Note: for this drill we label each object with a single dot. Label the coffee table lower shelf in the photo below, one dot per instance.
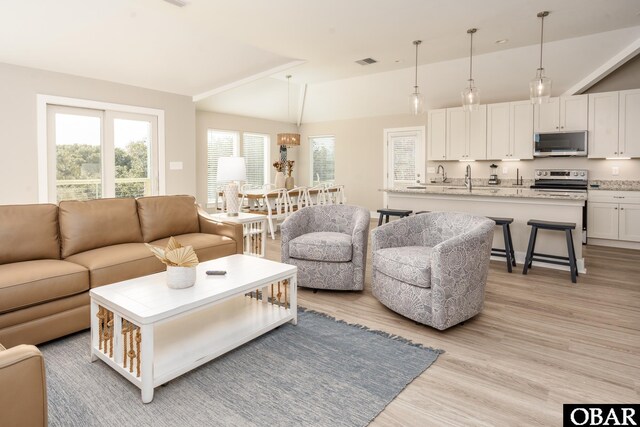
(174, 346)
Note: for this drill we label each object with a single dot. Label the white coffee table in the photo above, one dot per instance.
(152, 334)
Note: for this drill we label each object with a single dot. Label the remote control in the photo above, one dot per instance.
(216, 272)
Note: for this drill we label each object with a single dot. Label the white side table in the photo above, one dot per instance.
(254, 230)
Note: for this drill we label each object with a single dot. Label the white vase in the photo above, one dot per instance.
(180, 277)
(280, 180)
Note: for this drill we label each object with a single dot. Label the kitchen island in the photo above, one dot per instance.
(521, 204)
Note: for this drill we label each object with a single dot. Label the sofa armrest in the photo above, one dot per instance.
(210, 226)
(23, 394)
(459, 268)
(395, 234)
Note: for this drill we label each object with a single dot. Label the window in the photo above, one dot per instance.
(220, 143)
(322, 158)
(96, 153)
(255, 150)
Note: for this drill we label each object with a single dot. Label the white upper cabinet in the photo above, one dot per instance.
(629, 123)
(510, 130)
(566, 113)
(437, 135)
(498, 131)
(467, 134)
(603, 124)
(521, 124)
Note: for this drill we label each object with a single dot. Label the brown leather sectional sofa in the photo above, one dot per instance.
(50, 256)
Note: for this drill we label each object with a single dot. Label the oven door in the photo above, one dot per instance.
(560, 144)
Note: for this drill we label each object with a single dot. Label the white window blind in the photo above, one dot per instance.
(255, 150)
(219, 144)
(404, 161)
(322, 158)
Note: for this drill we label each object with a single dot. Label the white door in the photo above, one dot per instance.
(630, 123)
(456, 134)
(602, 220)
(603, 125)
(437, 125)
(521, 123)
(573, 112)
(405, 157)
(547, 116)
(630, 222)
(498, 140)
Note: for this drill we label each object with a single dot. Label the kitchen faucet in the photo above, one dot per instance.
(467, 178)
(444, 175)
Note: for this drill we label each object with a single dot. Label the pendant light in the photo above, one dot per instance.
(416, 100)
(288, 139)
(540, 87)
(470, 95)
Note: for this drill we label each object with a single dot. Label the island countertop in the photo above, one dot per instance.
(520, 192)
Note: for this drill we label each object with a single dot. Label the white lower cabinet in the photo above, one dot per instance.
(629, 222)
(614, 215)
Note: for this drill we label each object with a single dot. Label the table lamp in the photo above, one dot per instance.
(231, 169)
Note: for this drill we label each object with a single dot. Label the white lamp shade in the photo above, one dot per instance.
(231, 169)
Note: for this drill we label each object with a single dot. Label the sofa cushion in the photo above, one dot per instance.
(27, 283)
(206, 246)
(166, 216)
(116, 263)
(322, 246)
(409, 264)
(28, 232)
(91, 224)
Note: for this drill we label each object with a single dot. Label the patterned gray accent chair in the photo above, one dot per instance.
(328, 244)
(432, 268)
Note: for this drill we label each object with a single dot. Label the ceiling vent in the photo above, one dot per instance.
(366, 61)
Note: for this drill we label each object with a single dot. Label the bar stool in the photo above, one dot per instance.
(507, 252)
(391, 212)
(570, 261)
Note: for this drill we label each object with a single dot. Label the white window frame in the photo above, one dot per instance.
(311, 177)
(44, 166)
(267, 153)
(421, 130)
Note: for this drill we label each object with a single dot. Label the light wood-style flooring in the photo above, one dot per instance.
(541, 341)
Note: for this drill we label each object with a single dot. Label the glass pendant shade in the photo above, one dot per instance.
(540, 88)
(470, 98)
(416, 103)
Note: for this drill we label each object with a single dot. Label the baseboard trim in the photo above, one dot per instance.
(613, 243)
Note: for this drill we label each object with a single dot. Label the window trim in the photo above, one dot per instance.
(309, 138)
(42, 101)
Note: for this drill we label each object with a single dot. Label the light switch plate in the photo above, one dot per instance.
(615, 171)
(175, 166)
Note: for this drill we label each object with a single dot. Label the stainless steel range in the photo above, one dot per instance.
(561, 180)
(564, 180)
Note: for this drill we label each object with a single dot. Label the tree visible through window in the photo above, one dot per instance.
(322, 158)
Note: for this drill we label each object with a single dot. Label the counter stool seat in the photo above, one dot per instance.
(570, 260)
(508, 251)
(386, 213)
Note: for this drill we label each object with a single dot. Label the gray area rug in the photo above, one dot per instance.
(321, 372)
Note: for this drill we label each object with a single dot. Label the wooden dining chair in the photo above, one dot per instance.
(317, 195)
(336, 195)
(276, 208)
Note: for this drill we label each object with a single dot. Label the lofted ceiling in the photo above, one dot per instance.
(232, 56)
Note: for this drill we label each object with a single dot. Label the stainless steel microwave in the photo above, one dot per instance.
(560, 144)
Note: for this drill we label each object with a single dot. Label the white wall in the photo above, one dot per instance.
(206, 120)
(18, 143)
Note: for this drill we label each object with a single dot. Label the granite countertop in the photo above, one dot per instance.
(611, 185)
(525, 193)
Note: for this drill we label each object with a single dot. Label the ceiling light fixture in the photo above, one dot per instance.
(416, 100)
(287, 139)
(540, 87)
(470, 95)
(502, 41)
